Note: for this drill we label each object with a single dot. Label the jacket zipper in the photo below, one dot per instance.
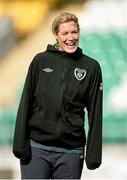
(61, 98)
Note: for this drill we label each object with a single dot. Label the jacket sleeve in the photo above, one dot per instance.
(21, 146)
(94, 108)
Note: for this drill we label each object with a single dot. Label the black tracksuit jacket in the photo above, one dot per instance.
(58, 87)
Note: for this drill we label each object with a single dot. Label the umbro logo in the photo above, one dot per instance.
(48, 70)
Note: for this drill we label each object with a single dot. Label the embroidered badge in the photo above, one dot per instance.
(48, 70)
(79, 73)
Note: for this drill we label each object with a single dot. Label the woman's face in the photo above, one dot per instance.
(68, 37)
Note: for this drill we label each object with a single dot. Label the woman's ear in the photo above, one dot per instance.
(56, 37)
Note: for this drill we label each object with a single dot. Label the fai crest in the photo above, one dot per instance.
(79, 73)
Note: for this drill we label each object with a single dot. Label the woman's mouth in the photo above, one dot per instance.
(71, 45)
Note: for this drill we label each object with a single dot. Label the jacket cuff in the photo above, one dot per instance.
(92, 165)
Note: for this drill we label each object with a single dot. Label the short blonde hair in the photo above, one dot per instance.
(63, 18)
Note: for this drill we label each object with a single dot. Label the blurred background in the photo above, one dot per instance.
(25, 30)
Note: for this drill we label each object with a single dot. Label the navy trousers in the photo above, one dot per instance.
(52, 165)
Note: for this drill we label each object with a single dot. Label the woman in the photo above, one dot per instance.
(61, 82)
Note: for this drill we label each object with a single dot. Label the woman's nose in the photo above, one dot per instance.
(70, 36)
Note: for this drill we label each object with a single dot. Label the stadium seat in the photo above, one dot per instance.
(7, 124)
(108, 48)
(107, 40)
(115, 128)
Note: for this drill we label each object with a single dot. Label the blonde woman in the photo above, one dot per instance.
(49, 137)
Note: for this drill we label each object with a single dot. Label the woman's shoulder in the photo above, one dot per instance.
(38, 58)
(91, 61)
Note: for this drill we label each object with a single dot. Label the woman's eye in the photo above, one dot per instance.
(74, 32)
(64, 33)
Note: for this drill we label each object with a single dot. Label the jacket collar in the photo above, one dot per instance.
(77, 53)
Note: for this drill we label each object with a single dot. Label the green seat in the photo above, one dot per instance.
(117, 58)
(7, 124)
(107, 40)
(115, 128)
(90, 42)
(10, 119)
(3, 129)
(4, 134)
(123, 40)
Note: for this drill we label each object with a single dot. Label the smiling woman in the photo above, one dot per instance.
(66, 31)
(61, 82)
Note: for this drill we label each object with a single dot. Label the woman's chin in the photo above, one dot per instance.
(70, 50)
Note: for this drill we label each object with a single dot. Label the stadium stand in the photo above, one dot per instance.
(27, 16)
(7, 36)
(105, 39)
